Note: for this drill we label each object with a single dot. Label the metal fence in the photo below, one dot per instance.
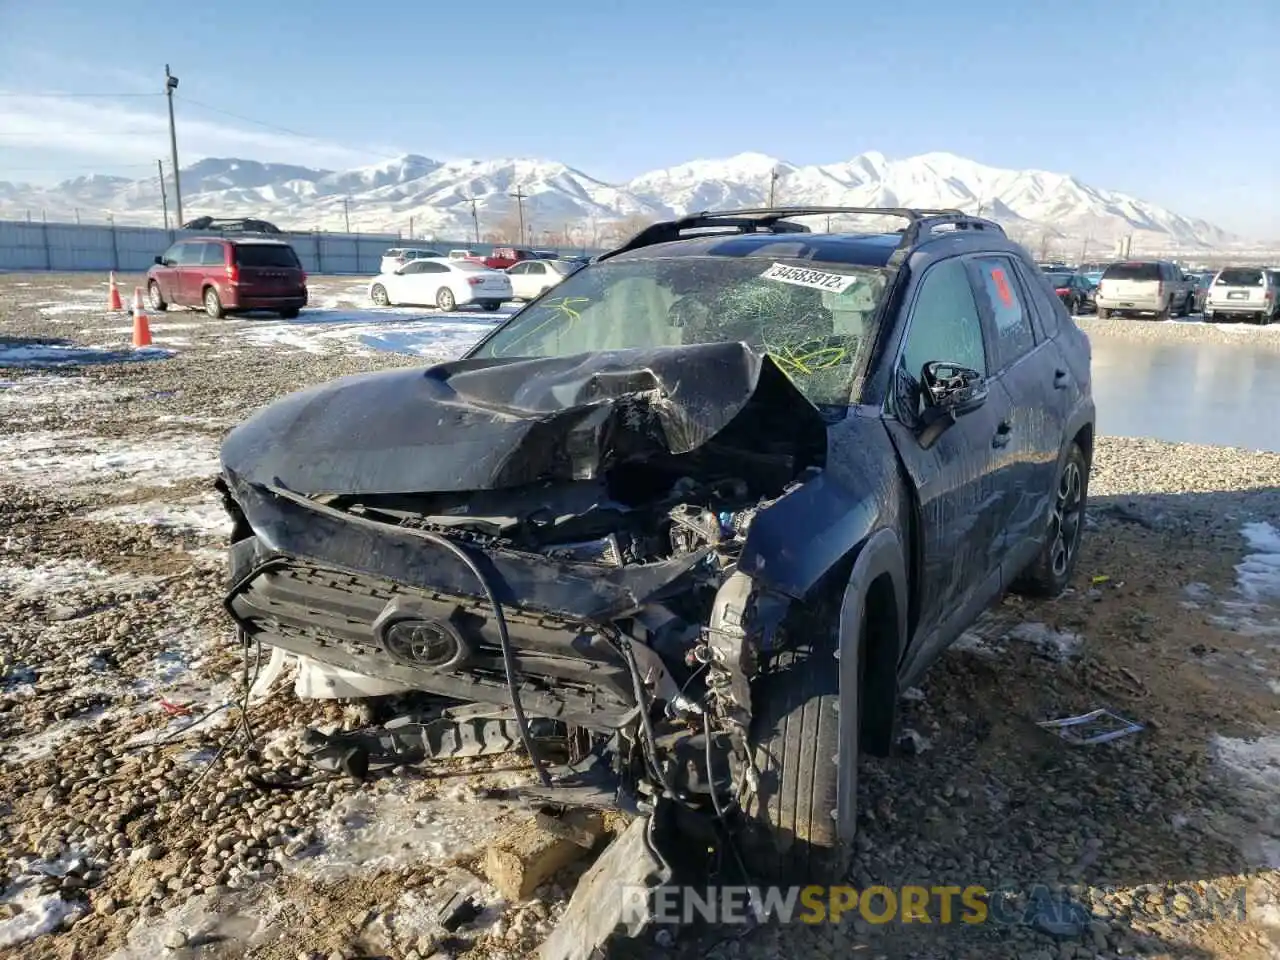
(26, 245)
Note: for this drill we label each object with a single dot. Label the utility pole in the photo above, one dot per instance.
(164, 200)
(77, 216)
(519, 198)
(773, 181)
(411, 228)
(475, 219)
(170, 85)
(346, 212)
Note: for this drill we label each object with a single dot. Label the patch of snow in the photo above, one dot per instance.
(54, 308)
(61, 391)
(1054, 644)
(67, 576)
(1197, 591)
(39, 355)
(976, 645)
(1258, 575)
(37, 915)
(37, 746)
(1253, 766)
(202, 516)
(374, 831)
(436, 336)
(214, 927)
(60, 460)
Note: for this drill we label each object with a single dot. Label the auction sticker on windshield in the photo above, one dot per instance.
(804, 277)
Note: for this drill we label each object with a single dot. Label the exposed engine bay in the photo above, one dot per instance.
(604, 598)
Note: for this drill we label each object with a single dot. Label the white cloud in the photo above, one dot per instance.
(126, 134)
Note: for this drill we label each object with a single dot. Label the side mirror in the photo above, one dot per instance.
(160, 261)
(952, 388)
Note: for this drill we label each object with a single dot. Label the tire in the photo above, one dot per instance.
(1208, 316)
(1166, 313)
(445, 299)
(290, 314)
(1103, 313)
(213, 304)
(1049, 574)
(155, 298)
(1185, 309)
(791, 832)
(491, 305)
(379, 296)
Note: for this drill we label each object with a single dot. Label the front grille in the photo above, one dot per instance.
(435, 642)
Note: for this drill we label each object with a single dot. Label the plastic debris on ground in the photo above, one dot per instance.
(1096, 726)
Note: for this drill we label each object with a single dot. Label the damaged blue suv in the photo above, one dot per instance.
(689, 522)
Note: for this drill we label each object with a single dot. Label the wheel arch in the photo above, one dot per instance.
(877, 584)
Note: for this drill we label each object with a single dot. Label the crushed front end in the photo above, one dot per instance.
(549, 540)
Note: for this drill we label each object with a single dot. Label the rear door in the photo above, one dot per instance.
(420, 281)
(961, 501)
(268, 270)
(1031, 371)
(520, 281)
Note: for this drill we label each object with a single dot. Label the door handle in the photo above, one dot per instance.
(1061, 379)
(1003, 434)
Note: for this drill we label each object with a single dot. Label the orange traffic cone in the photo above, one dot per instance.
(113, 298)
(141, 327)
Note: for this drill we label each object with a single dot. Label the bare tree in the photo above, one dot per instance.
(508, 229)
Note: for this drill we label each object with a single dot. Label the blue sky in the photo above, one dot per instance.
(1125, 96)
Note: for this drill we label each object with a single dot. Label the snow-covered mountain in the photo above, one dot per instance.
(1040, 208)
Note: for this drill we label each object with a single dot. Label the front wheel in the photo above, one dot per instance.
(290, 314)
(445, 299)
(1050, 572)
(807, 785)
(155, 298)
(379, 296)
(213, 304)
(491, 305)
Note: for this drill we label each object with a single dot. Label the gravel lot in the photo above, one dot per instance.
(112, 636)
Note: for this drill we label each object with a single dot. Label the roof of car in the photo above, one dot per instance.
(865, 249)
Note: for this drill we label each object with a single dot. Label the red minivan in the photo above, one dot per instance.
(224, 276)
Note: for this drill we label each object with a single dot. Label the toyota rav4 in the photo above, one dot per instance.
(698, 515)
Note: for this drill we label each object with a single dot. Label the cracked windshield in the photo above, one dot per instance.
(811, 318)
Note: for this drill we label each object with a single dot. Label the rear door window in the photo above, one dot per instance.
(265, 255)
(1043, 300)
(213, 255)
(999, 287)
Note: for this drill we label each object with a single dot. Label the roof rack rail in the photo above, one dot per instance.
(775, 220)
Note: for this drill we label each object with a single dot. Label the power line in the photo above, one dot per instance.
(279, 129)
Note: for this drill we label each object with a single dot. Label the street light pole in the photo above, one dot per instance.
(170, 85)
(773, 180)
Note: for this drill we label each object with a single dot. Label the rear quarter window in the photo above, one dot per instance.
(266, 255)
(1132, 271)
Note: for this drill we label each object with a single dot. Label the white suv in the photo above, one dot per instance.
(1132, 287)
(1240, 292)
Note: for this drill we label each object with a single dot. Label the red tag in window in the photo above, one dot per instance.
(1002, 286)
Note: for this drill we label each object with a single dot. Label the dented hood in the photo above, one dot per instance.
(487, 424)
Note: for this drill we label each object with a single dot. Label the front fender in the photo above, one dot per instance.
(795, 541)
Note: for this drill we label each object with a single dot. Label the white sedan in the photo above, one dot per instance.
(532, 278)
(443, 282)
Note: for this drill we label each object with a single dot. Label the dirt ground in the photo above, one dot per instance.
(112, 635)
